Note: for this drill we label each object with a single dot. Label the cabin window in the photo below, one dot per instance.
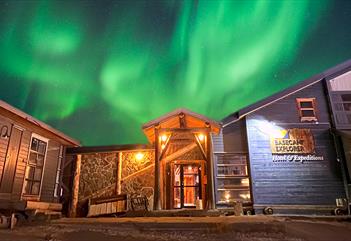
(35, 166)
(307, 109)
(57, 190)
(232, 178)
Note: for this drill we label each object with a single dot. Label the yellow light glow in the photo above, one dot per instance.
(270, 128)
(139, 156)
(163, 138)
(245, 196)
(227, 196)
(201, 137)
(245, 181)
(163, 146)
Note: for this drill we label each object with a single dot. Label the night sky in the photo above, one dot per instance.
(98, 70)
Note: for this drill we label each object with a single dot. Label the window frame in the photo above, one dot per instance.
(301, 109)
(28, 165)
(58, 178)
(238, 159)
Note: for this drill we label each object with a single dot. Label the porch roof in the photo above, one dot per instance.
(173, 120)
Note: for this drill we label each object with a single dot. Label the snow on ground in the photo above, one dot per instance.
(253, 228)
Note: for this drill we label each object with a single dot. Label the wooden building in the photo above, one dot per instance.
(31, 159)
(173, 172)
(296, 145)
(289, 153)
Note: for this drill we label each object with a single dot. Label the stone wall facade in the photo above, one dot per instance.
(138, 175)
(98, 176)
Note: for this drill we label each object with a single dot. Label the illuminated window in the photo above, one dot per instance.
(34, 170)
(307, 109)
(232, 178)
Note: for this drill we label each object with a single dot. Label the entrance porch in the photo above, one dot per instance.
(184, 176)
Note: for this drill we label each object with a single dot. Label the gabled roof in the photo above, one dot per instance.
(32, 120)
(171, 120)
(328, 74)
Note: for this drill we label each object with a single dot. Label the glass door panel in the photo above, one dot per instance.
(177, 190)
(186, 185)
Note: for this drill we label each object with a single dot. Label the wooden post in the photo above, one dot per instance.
(119, 174)
(210, 173)
(157, 200)
(75, 188)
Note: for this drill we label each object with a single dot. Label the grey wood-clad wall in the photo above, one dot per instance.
(14, 191)
(11, 160)
(234, 137)
(21, 158)
(21, 165)
(4, 140)
(308, 183)
(217, 142)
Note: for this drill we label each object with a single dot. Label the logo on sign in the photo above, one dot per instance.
(294, 141)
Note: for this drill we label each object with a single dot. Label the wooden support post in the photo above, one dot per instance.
(210, 174)
(157, 200)
(75, 188)
(119, 174)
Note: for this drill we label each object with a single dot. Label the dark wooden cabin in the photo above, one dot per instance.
(31, 159)
(293, 160)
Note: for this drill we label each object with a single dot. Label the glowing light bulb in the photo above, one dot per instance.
(139, 156)
(164, 138)
(201, 137)
(163, 146)
(227, 196)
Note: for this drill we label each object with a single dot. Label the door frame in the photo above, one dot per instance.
(202, 181)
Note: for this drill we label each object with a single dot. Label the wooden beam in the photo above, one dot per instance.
(210, 173)
(157, 200)
(180, 152)
(182, 121)
(200, 147)
(75, 193)
(166, 147)
(31, 205)
(138, 172)
(197, 129)
(119, 173)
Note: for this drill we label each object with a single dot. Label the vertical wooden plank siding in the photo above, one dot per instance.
(8, 175)
(217, 142)
(235, 138)
(21, 165)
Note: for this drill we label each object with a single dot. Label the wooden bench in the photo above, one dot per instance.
(107, 206)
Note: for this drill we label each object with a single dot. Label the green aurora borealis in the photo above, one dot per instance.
(97, 70)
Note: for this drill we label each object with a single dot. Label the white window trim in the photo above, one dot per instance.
(46, 140)
(59, 172)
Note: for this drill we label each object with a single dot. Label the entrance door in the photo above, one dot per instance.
(186, 185)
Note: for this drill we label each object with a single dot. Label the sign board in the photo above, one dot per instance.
(294, 145)
(293, 141)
